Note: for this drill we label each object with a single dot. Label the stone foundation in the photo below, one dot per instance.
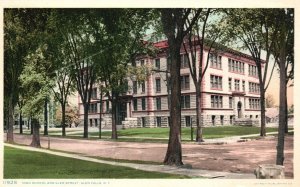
(129, 123)
(246, 122)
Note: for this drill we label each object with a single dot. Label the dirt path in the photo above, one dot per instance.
(240, 157)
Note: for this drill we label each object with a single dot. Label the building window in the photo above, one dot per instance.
(169, 63)
(158, 121)
(184, 61)
(252, 71)
(236, 66)
(93, 108)
(231, 120)
(254, 103)
(213, 120)
(96, 122)
(134, 86)
(188, 122)
(107, 105)
(142, 62)
(158, 103)
(158, 86)
(243, 68)
(143, 104)
(216, 101)
(253, 87)
(185, 101)
(157, 63)
(229, 84)
(237, 85)
(143, 122)
(230, 102)
(143, 86)
(185, 82)
(135, 104)
(215, 61)
(215, 82)
(243, 86)
(94, 93)
(222, 119)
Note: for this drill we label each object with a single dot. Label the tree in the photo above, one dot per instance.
(71, 116)
(270, 102)
(202, 37)
(20, 105)
(80, 52)
(124, 30)
(173, 23)
(36, 83)
(253, 28)
(15, 47)
(284, 56)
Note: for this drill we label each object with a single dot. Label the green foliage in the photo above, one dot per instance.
(124, 30)
(36, 83)
(35, 165)
(15, 48)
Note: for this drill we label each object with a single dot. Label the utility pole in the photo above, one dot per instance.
(45, 117)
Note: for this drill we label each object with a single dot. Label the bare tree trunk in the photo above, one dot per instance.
(100, 117)
(114, 134)
(29, 123)
(10, 127)
(63, 117)
(36, 133)
(21, 123)
(174, 151)
(199, 134)
(85, 120)
(282, 111)
(31, 127)
(45, 118)
(263, 112)
(282, 97)
(286, 128)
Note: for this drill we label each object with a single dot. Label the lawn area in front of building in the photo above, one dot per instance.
(163, 133)
(160, 135)
(23, 164)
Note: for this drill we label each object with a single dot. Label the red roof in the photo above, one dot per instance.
(161, 44)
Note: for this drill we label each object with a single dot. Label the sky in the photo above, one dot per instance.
(273, 89)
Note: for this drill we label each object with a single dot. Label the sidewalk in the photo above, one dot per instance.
(148, 167)
(232, 139)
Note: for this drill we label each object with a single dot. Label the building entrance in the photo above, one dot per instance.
(121, 112)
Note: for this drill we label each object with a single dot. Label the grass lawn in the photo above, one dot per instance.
(23, 164)
(160, 135)
(163, 133)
